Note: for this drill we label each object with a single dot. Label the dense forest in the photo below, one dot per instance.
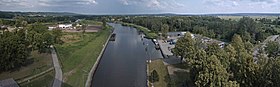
(232, 66)
(213, 27)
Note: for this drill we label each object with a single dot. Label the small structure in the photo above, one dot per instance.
(113, 37)
(8, 83)
(65, 26)
(51, 27)
(176, 34)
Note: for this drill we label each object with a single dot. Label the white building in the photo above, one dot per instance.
(65, 26)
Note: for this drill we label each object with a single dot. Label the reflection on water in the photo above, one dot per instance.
(123, 63)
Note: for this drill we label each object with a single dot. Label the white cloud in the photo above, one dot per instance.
(31, 3)
(266, 1)
(24, 3)
(87, 2)
(154, 4)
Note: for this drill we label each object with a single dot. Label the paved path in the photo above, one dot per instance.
(164, 48)
(58, 72)
(34, 76)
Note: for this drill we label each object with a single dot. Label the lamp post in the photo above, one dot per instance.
(146, 49)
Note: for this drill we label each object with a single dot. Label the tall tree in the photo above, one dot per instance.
(213, 74)
(273, 49)
(164, 30)
(244, 67)
(185, 47)
(13, 50)
(57, 34)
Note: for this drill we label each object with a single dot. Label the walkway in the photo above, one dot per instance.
(58, 72)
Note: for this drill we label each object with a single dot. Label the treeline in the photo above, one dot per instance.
(232, 66)
(214, 27)
(16, 45)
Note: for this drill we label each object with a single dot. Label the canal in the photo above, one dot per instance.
(123, 63)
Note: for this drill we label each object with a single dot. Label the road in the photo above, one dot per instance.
(58, 72)
(123, 63)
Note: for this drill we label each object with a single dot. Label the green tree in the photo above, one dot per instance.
(154, 77)
(244, 69)
(221, 54)
(213, 74)
(103, 22)
(13, 50)
(249, 47)
(84, 26)
(20, 22)
(185, 47)
(273, 49)
(164, 30)
(231, 54)
(57, 34)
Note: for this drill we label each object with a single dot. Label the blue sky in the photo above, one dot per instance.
(143, 6)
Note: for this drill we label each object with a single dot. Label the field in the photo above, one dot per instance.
(89, 28)
(78, 54)
(38, 63)
(254, 17)
(162, 72)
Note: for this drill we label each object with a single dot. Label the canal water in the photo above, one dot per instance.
(123, 63)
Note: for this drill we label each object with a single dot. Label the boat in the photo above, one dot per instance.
(113, 37)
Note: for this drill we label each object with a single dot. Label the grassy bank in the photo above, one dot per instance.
(78, 55)
(43, 81)
(162, 72)
(146, 31)
(38, 63)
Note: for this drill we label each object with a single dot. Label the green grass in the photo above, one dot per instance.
(42, 81)
(91, 22)
(146, 31)
(162, 72)
(78, 57)
(42, 62)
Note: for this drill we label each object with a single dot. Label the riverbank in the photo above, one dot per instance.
(146, 31)
(94, 67)
(79, 55)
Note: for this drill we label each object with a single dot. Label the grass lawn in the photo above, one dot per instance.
(42, 81)
(78, 55)
(41, 62)
(162, 72)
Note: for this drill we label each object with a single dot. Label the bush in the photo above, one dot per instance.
(154, 76)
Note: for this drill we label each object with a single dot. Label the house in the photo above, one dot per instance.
(65, 26)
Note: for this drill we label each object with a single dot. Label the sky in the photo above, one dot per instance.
(142, 6)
